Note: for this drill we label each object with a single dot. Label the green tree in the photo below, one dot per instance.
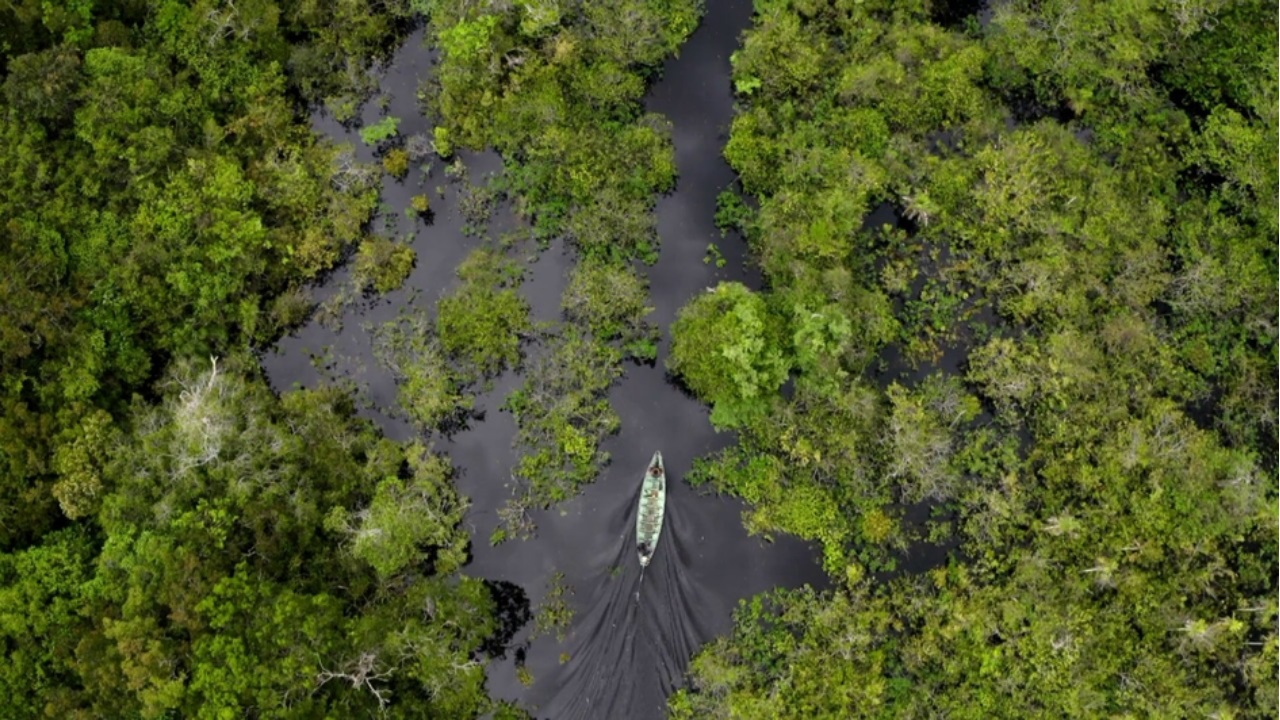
(43, 591)
(611, 302)
(483, 322)
(726, 346)
(407, 516)
(562, 414)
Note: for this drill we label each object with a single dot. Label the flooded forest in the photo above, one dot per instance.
(337, 338)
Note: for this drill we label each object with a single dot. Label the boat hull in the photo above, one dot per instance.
(652, 508)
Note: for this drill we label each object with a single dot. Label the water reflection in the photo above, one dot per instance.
(636, 631)
(623, 656)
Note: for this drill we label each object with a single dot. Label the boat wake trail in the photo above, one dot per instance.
(629, 637)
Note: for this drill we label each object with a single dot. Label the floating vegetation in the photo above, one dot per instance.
(554, 614)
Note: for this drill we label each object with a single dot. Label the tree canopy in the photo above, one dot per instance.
(1077, 395)
(159, 193)
(175, 538)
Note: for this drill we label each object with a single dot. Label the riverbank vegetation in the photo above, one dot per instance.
(175, 538)
(1075, 315)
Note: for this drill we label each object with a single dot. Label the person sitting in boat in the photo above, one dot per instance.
(644, 549)
(656, 471)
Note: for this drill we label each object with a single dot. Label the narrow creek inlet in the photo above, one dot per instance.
(629, 642)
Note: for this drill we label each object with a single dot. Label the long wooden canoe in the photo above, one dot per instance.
(653, 504)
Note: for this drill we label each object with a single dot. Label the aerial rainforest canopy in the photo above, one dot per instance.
(1029, 420)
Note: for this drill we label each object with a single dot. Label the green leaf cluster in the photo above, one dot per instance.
(481, 324)
(384, 129)
(611, 302)
(726, 348)
(382, 264)
(430, 391)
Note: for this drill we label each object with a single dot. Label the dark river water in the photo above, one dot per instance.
(630, 642)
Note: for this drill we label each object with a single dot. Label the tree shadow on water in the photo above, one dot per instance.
(513, 613)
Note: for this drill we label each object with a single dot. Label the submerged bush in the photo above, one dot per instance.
(396, 163)
(378, 132)
(383, 264)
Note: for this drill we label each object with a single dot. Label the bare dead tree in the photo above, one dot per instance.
(362, 673)
(200, 419)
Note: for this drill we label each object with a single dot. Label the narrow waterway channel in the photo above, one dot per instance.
(630, 642)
